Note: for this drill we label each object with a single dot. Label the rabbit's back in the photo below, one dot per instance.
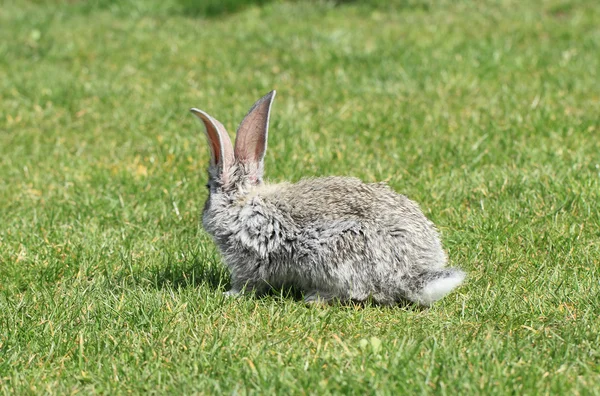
(346, 199)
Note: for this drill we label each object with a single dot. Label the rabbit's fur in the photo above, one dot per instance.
(333, 238)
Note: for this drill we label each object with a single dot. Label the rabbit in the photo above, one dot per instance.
(332, 238)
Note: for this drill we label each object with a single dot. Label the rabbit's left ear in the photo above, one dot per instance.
(221, 149)
(252, 134)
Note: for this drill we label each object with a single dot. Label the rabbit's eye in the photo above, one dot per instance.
(207, 186)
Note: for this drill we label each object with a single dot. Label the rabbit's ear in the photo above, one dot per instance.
(251, 139)
(221, 150)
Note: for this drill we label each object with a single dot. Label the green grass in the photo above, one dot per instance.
(485, 112)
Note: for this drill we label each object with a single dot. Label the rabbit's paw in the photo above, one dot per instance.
(232, 293)
(318, 298)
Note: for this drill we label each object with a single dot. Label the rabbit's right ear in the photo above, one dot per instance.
(251, 137)
(221, 149)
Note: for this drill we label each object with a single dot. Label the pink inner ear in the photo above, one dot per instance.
(226, 146)
(214, 146)
(251, 139)
(251, 142)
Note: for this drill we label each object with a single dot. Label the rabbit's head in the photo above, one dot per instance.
(236, 169)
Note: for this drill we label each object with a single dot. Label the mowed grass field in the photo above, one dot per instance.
(485, 112)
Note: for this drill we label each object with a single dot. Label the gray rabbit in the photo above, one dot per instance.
(333, 238)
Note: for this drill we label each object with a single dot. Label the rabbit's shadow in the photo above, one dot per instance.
(216, 277)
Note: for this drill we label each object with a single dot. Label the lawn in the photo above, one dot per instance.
(487, 113)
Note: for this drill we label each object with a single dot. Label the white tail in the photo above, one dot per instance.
(438, 287)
